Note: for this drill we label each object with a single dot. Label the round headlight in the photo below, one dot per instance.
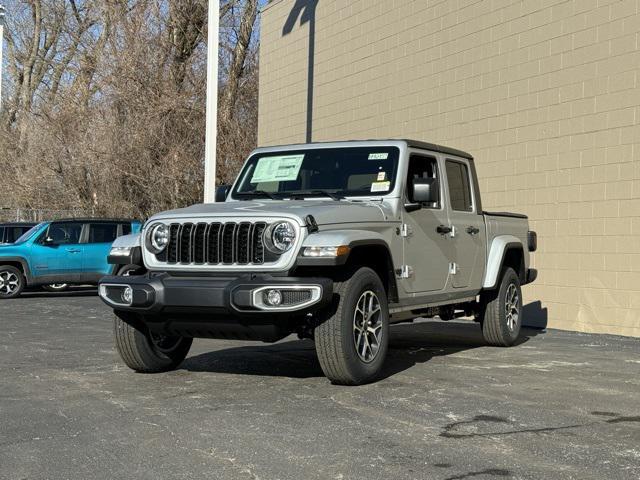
(280, 237)
(158, 237)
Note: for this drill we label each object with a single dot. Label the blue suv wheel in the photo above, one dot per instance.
(11, 281)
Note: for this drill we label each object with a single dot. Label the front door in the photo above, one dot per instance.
(426, 251)
(468, 235)
(60, 259)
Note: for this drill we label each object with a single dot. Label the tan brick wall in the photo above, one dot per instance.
(544, 93)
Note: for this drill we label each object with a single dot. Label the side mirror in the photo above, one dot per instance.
(222, 191)
(48, 241)
(422, 190)
(425, 190)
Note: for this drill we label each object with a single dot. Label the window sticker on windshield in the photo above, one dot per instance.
(382, 176)
(378, 156)
(380, 186)
(283, 168)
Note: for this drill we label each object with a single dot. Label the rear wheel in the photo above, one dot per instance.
(11, 281)
(352, 341)
(56, 287)
(501, 319)
(148, 352)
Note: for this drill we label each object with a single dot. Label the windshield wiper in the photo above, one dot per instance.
(333, 195)
(257, 193)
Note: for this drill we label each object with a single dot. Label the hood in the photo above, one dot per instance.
(325, 212)
(9, 249)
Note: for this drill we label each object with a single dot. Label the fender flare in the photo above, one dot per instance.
(499, 247)
(351, 238)
(25, 266)
(131, 241)
(354, 239)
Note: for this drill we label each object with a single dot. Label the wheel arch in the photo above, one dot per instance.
(19, 263)
(366, 248)
(506, 251)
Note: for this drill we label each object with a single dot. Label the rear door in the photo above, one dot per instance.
(98, 242)
(468, 236)
(60, 259)
(426, 251)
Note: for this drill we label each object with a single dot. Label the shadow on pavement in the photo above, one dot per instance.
(70, 292)
(409, 345)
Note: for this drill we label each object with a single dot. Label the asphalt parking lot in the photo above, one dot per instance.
(560, 405)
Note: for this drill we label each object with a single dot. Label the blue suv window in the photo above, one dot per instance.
(102, 232)
(65, 233)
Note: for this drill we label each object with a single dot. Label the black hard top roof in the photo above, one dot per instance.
(439, 148)
(17, 224)
(411, 143)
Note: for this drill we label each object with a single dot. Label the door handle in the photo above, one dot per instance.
(443, 229)
(73, 250)
(471, 230)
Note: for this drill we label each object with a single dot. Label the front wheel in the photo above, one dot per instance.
(352, 341)
(11, 281)
(501, 318)
(147, 352)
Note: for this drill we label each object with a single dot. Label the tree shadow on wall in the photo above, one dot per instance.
(306, 11)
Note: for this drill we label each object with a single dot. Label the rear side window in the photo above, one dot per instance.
(102, 232)
(13, 233)
(459, 186)
(126, 228)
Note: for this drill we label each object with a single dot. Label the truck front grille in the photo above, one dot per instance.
(216, 243)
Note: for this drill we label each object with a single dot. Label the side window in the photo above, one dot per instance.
(421, 167)
(459, 186)
(1, 234)
(126, 228)
(102, 232)
(13, 233)
(65, 233)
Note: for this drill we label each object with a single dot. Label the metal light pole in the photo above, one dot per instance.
(212, 103)
(2, 10)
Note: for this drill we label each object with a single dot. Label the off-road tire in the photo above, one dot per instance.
(493, 320)
(334, 336)
(12, 272)
(139, 352)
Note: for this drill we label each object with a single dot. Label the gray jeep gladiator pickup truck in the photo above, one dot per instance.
(332, 241)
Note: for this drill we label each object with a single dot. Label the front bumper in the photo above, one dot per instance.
(161, 293)
(215, 307)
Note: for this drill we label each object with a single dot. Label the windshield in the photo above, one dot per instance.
(27, 235)
(333, 172)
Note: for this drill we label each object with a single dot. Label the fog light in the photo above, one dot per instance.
(127, 295)
(274, 298)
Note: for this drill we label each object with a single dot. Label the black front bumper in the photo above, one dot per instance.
(212, 306)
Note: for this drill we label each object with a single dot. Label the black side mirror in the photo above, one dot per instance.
(48, 241)
(422, 190)
(222, 191)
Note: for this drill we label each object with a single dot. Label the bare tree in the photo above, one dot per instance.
(106, 102)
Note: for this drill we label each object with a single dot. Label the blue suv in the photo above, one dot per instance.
(60, 252)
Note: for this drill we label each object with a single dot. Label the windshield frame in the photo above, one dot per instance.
(236, 195)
